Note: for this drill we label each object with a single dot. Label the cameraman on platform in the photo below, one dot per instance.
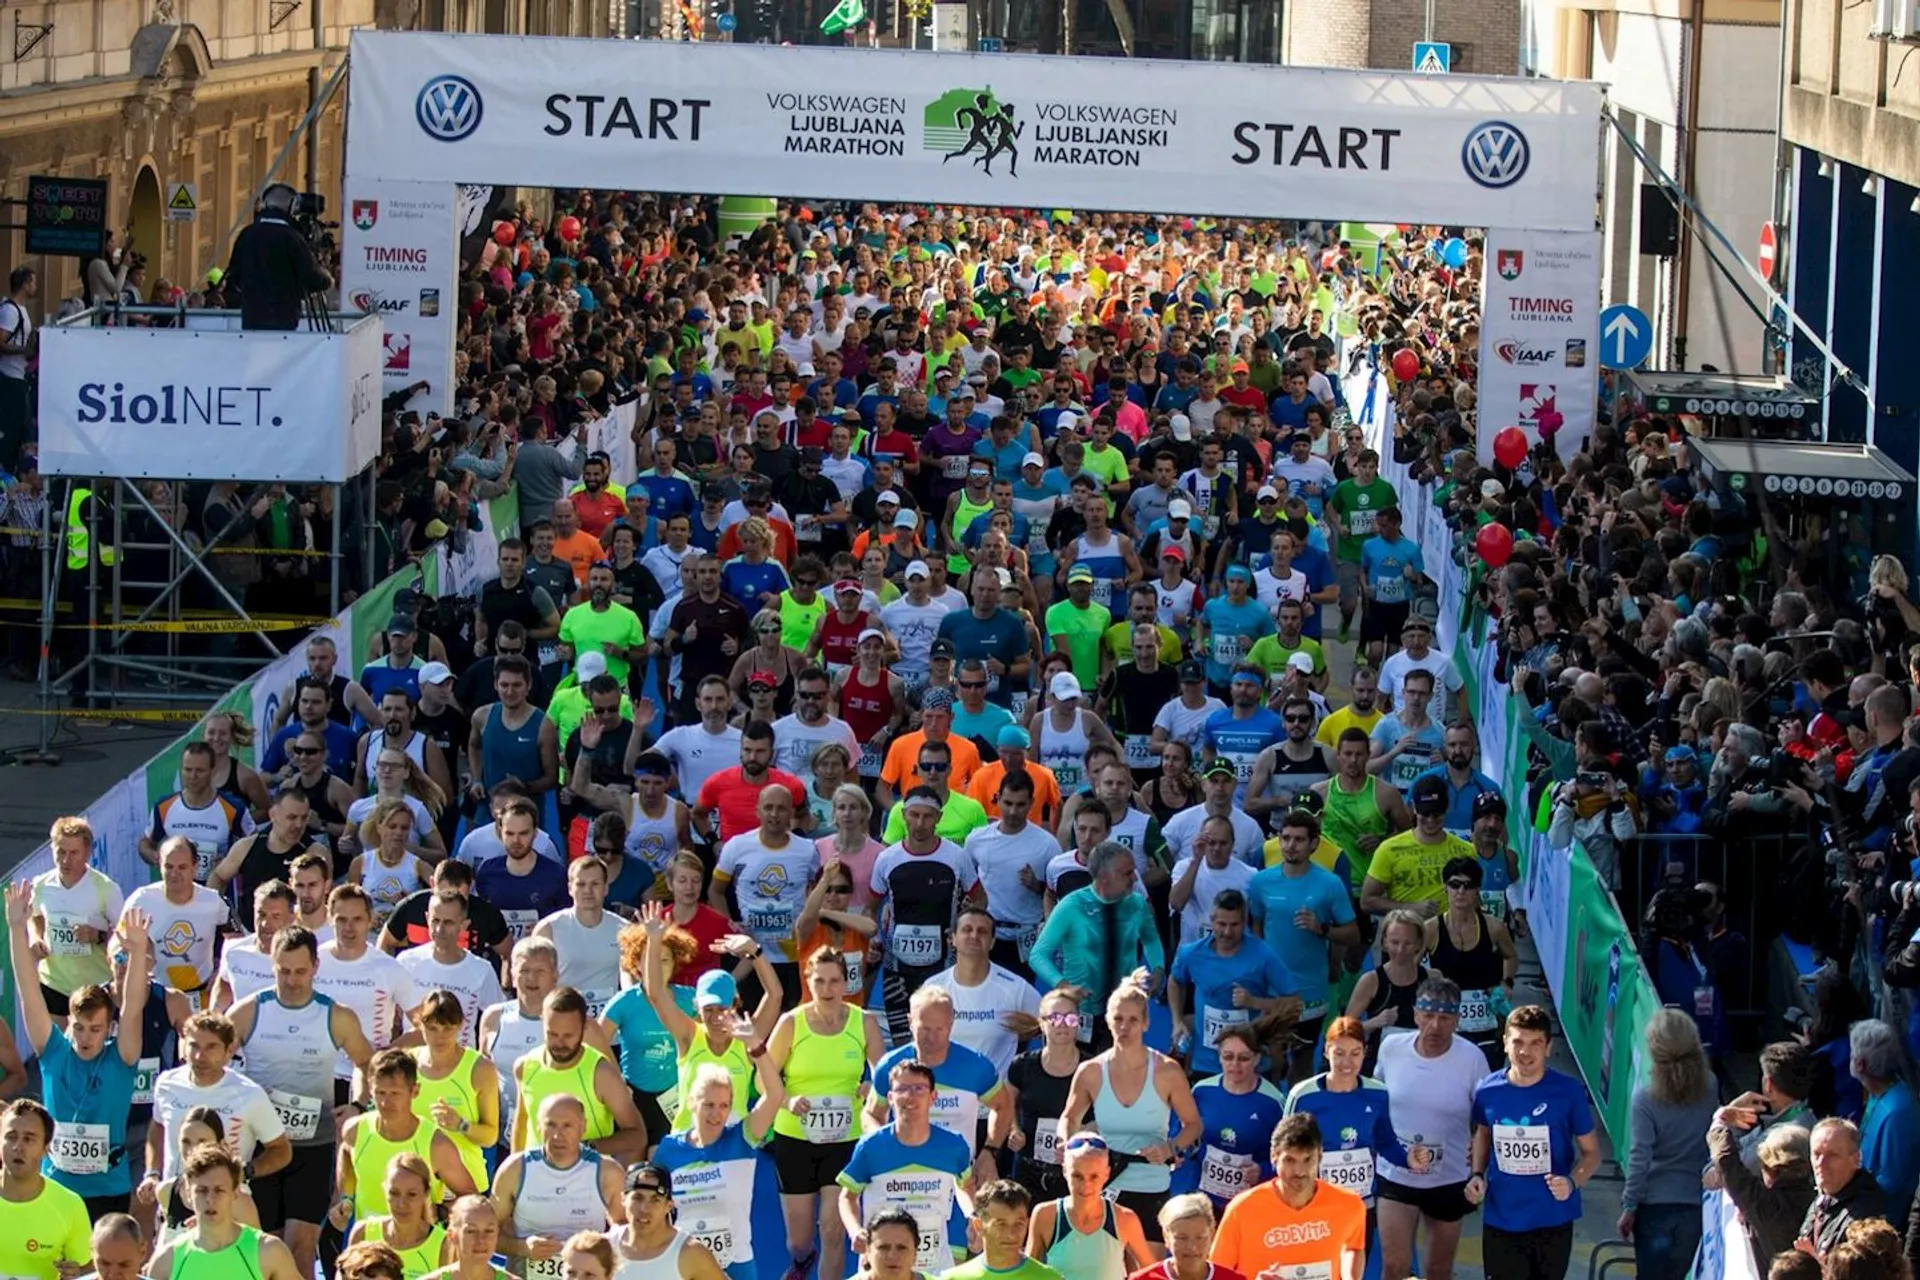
(273, 269)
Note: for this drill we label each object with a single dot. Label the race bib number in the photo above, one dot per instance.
(1350, 1170)
(145, 1072)
(1494, 903)
(917, 945)
(770, 924)
(1024, 939)
(63, 937)
(954, 468)
(719, 1240)
(1228, 649)
(597, 1001)
(300, 1114)
(1068, 776)
(552, 1268)
(549, 652)
(806, 529)
(1476, 1011)
(520, 923)
(828, 1119)
(1036, 539)
(1103, 592)
(934, 1254)
(1214, 1021)
(1523, 1150)
(80, 1148)
(205, 854)
(1210, 525)
(870, 762)
(1224, 1175)
(1017, 703)
(1140, 755)
(1046, 1142)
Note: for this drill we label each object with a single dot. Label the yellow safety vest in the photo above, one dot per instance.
(79, 542)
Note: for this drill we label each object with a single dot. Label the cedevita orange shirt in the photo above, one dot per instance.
(1261, 1235)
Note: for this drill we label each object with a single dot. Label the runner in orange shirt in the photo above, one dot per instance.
(1012, 745)
(1295, 1225)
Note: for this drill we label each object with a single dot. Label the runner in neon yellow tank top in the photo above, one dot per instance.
(823, 1050)
(566, 1064)
(473, 1237)
(369, 1143)
(459, 1089)
(408, 1228)
(218, 1248)
(799, 617)
(716, 1003)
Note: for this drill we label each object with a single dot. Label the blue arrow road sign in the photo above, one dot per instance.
(726, 22)
(1432, 57)
(1626, 337)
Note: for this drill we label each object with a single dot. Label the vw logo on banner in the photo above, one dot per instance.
(1494, 155)
(448, 108)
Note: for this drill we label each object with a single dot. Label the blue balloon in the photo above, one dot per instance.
(1454, 253)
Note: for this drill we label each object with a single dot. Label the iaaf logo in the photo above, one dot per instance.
(1520, 353)
(374, 302)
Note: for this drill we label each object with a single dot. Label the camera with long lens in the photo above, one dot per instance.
(309, 214)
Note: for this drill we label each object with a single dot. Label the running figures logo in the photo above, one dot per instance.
(1495, 154)
(973, 123)
(448, 108)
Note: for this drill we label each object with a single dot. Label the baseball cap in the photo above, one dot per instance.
(435, 672)
(1179, 509)
(1003, 576)
(1034, 460)
(906, 520)
(848, 584)
(886, 495)
(870, 633)
(1182, 426)
(1173, 553)
(1065, 686)
(941, 649)
(1301, 661)
(714, 988)
(1192, 672)
(1492, 489)
(1267, 492)
(1080, 573)
(652, 1177)
(591, 666)
(1493, 802)
(811, 453)
(1239, 366)
(918, 569)
(1428, 792)
(1067, 422)
(763, 680)
(402, 624)
(1218, 766)
(1012, 735)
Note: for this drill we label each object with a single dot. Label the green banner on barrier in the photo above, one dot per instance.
(1604, 998)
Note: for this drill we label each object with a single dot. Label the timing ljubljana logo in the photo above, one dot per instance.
(448, 108)
(1495, 154)
(1509, 262)
(365, 214)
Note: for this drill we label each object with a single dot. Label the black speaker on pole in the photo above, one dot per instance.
(1659, 221)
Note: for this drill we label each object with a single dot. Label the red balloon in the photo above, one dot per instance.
(1510, 447)
(503, 233)
(569, 228)
(1406, 365)
(1494, 542)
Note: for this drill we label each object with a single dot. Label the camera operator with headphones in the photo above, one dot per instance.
(273, 269)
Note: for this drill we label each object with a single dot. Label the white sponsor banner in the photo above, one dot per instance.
(963, 128)
(1725, 1251)
(399, 245)
(208, 404)
(1539, 336)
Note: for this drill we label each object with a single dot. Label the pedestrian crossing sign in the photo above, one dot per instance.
(1432, 57)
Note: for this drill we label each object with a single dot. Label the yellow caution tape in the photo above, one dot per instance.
(190, 626)
(33, 606)
(172, 715)
(6, 530)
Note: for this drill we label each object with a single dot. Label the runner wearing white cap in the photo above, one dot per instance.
(1064, 731)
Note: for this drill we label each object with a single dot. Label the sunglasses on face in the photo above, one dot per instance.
(1460, 884)
(1062, 1019)
(934, 766)
(973, 684)
(766, 631)
(303, 751)
(1298, 719)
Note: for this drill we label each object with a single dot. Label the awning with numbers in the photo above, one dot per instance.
(1804, 468)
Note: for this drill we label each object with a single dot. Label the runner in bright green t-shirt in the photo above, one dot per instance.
(1002, 1212)
(1270, 653)
(1350, 512)
(1076, 626)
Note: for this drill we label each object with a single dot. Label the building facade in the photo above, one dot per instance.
(148, 94)
(1850, 214)
(1690, 83)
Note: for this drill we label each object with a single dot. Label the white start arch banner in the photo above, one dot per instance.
(976, 129)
